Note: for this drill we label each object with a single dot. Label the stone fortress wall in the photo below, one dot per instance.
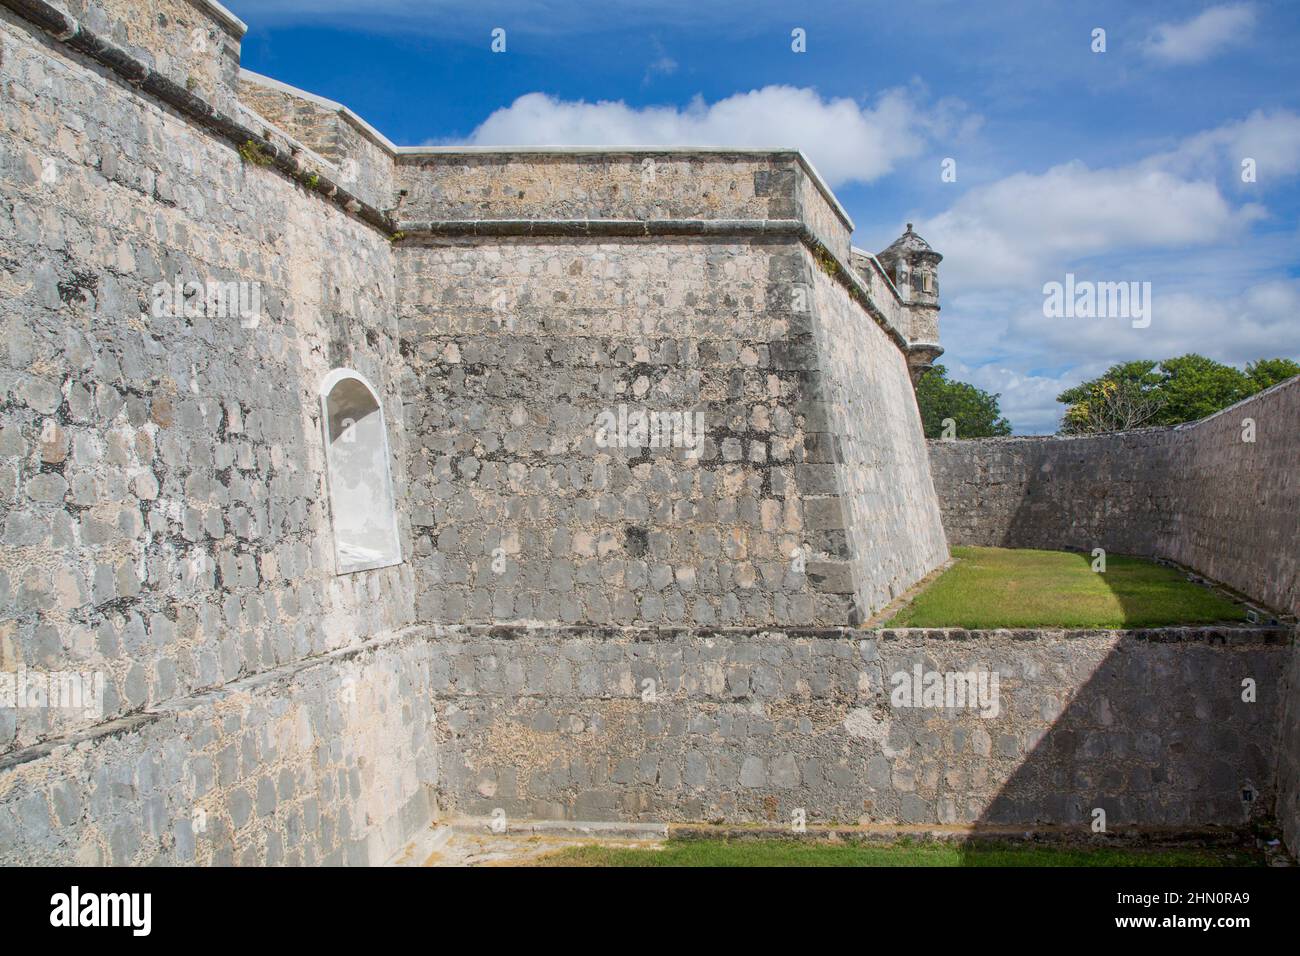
(164, 521)
(164, 518)
(742, 726)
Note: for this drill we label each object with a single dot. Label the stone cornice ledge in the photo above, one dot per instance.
(1226, 635)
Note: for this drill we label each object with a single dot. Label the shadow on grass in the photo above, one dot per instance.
(812, 852)
(1029, 588)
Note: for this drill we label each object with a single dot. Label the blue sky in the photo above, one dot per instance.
(1116, 166)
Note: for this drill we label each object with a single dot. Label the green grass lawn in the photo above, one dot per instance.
(821, 853)
(1003, 587)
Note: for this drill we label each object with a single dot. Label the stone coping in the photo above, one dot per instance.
(1220, 634)
(276, 149)
(231, 23)
(879, 270)
(791, 229)
(1045, 834)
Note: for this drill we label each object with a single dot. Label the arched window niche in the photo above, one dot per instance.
(357, 472)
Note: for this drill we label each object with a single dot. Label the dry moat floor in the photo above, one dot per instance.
(1014, 588)
(467, 848)
(797, 853)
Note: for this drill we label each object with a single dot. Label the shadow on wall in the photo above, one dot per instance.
(1182, 752)
(1089, 492)
(1197, 774)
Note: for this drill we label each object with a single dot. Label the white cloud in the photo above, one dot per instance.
(1004, 351)
(1230, 325)
(1218, 287)
(1028, 227)
(1272, 139)
(1202, 36)
(1022, 229)
(1028, 401)
(846, 141)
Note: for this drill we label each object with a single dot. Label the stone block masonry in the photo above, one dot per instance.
(745, 726)
(340, 759)
(521, 512)
(163, 520)
(330, 761)
(521, 333)
(163, 513)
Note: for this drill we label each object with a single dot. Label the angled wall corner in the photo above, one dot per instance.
(358, 472)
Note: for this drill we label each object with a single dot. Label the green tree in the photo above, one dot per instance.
(1268, 372)
(974, 411)
(1194, 386)
(1176, 390)
(1110, 404)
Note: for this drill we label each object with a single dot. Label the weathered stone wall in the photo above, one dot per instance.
(194, 44)
(890, 516)
(520, 338)
(824, 216)
(641, 185)
(740, 726)
(1235, 513)
(357, 157)
(343, 758)
(1287, 755)
(516, 348)
(881, 291)
(164, 523)
(331, 761)
(161, 472)
(1196, 493)
(1107, 491)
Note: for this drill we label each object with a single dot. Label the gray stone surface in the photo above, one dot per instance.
(339, 763)
(749, 726)
(1197, 494)
(184, 537)
(521, 513)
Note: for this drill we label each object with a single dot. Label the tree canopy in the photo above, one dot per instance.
(1169, 392)
(974, 412)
